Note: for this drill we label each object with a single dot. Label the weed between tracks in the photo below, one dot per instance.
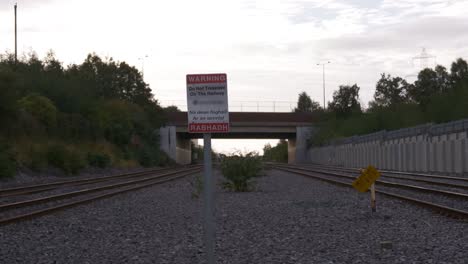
(197, 185)
(240, 171)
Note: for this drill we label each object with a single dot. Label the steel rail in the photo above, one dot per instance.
(423, 175)
(31, 189)
(85, 191)
(391, 184)
(447, 184)
(40, 212)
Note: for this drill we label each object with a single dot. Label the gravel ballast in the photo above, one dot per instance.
(289, 219)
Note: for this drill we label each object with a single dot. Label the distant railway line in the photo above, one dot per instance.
(444, 194)
(21, 203)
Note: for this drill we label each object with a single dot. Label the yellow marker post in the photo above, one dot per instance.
(366, 181)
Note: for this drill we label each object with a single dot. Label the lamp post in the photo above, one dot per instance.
(16, 36)
(143, 65)
(323, 71)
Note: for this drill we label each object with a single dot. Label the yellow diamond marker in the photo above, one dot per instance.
(367, 178)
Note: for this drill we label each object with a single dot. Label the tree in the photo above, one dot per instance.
(424, 87)
(278, 153)
(345, 100)
(171, 109)
(443, 78)
(459, 71)
(305, 104)
(390, 91)
(9, 96)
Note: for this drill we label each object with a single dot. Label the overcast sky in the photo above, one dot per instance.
(269, 49)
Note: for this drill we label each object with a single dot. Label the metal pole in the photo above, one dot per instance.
(143, 66)
(323, 86)
(323, 78)
(16, 35)
(208, 200)
(373, 204)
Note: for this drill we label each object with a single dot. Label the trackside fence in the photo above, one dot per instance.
(440, 148)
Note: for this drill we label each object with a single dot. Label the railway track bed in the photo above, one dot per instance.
(450, 203)
(288, 219)
(31, 201)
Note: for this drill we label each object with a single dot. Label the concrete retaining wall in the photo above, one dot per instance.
(441, 148)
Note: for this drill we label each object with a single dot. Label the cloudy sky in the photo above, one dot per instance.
(268, 48)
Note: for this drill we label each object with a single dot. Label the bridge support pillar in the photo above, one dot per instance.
(297, 147)
(176, 147)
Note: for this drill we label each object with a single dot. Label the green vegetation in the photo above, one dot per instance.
(197, 185)
(305, 104)
(278, 153)
(436, 96)
(7, 161)
(98, 113)
(240, 170)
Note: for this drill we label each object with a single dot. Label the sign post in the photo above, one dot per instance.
(372, 195)
(366, 181)
(208, 224)
(208, 112)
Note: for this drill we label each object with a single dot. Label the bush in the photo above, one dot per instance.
(146, 157)
(37, 157)
(7, 161)
(98, 159)
(40, 107)
(67, 159)
(240, 170)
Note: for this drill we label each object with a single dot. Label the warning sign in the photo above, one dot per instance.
(367, 178)
(207, 103)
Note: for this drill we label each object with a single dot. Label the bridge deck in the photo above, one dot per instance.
(250, 125)
(252, 118)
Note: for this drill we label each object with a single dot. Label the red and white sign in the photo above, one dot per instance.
(207, 103)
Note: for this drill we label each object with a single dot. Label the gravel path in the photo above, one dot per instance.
(290, 219)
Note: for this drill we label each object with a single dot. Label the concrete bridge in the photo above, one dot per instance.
(295, 127)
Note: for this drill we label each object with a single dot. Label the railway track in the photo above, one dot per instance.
(37, 188)
(16, 211)
(408, 196)
(391, 174)
(399, 184)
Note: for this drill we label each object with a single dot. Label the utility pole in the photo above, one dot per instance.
(424, 59)
(16, 36)
(323, 72)
(143, 65)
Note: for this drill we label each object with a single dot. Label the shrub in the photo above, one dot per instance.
(56, 155)
(146, 157)
(40, 107)
(7, 161)
(74, 162)
(67, 159)
(197, 185)
(240, 170)
(37, 157)
(98, 159)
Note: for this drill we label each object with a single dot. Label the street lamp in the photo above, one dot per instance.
(16, 35)
(323, 67)
(143, 65)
